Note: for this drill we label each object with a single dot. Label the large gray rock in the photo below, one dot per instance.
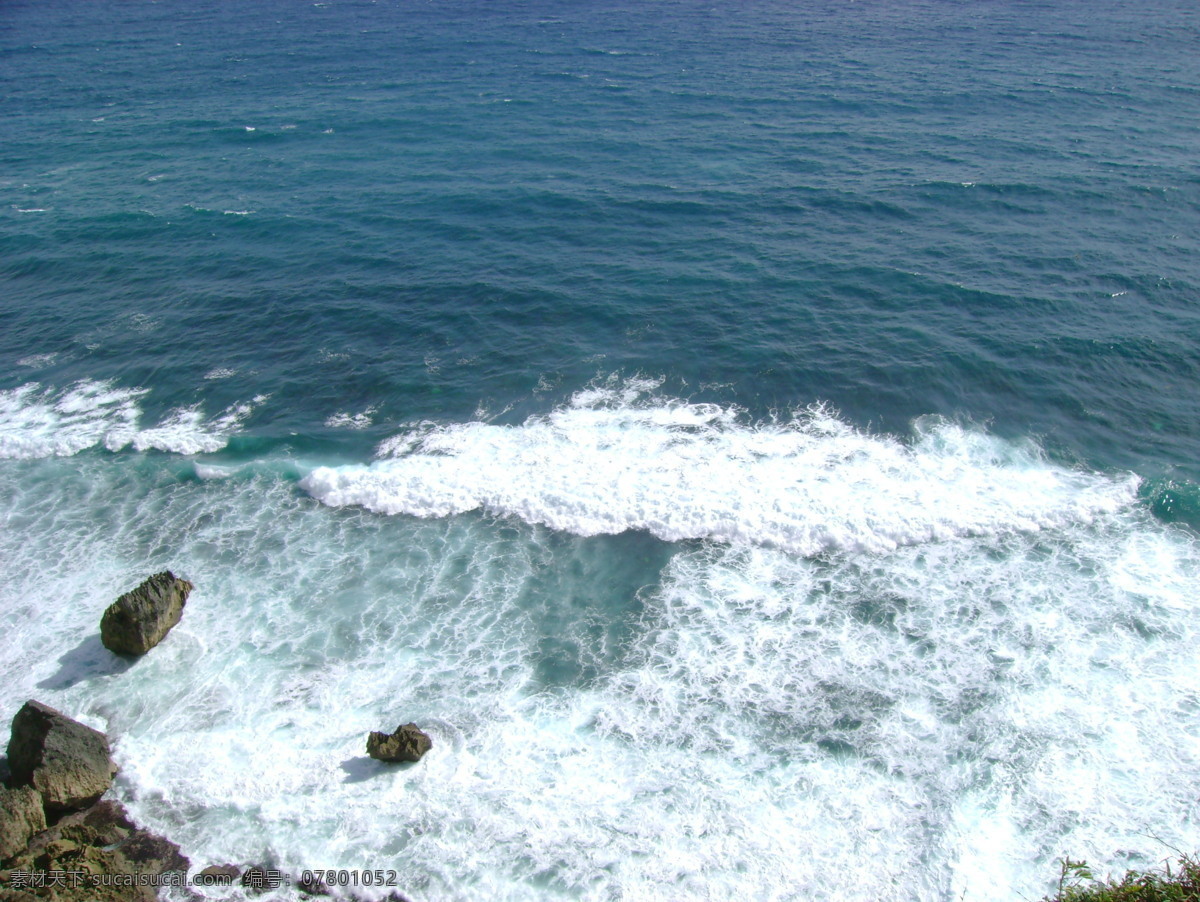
(138, 620)
(21, 816)
(65, 761)
(408, 743)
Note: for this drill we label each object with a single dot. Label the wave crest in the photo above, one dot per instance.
(38, 422)
(609, 461)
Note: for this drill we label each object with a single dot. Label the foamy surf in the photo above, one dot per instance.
(612, 717)
(37, 421)
(611, 461)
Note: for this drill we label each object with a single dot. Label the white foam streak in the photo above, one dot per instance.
(607, 463)
(186, 431)
(44, 423)
(38, 422)
(344, 420)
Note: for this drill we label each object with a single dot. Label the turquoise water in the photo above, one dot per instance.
(752, 441)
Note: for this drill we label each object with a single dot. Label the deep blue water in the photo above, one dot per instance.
(774, 425)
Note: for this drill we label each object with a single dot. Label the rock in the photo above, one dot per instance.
(149, 853)
(408, 743)
(21, 816)
(115, 860)
(138, 620)
(309, 885)
(218, 875)
(96, 854)
(65, 761)
(104, 824)
(14, 895)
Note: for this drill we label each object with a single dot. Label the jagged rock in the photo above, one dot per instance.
(96, 854)
(408, 743)
(65, 761)
(113, 857)
(21, 816)
(13, 895)
(150, 853)
(104, 824)
(138, 620)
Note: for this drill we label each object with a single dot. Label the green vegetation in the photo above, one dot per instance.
(1178, 882)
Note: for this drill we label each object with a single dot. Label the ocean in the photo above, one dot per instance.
(758, 442)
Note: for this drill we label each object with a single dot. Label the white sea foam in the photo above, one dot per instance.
(757, 725)
(188, 431)
(36, 421)
(141, 322)
(213, 471)
(344, 420)
(618, 458)
(37, 361)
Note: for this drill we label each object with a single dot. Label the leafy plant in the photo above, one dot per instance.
(1076, 883)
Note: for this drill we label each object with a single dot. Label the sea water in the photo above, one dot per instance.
(758, 443)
